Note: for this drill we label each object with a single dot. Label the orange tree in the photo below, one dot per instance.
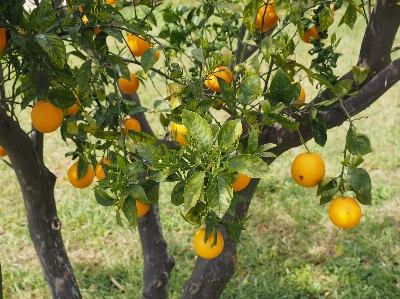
(215, 57)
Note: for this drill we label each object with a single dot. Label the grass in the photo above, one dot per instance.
(289, 250)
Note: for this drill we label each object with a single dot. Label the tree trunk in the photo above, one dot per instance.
(157, 263)
(209, 277)
(37, 186)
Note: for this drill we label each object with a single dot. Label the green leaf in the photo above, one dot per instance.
(103, 198)
(357, 143)
(193, 190)
(198, 55)
(359, 74)
(83, 168)
(249, 13)
(114, 33)
(280, 82)
(265, 106)
(252, 143)
(142, 137)
(219, 194)
(54, 46)
(250, 89)
(350, 16)
(266, 47)
(227, 93)
(177, 194)
(288, 124)
(145, 150)
(230, 133)
(148, 59)
(343, 87)
(360, 182)
(84, 74)
(198, 128)
(42, 17)
(282, 8)
(119, 66)
(249, 165)
(325, 18)
(61, 97)
(322, 80)
(327, 189)
(130, 210)
(137, 193)
(194, 215)
(292, 94)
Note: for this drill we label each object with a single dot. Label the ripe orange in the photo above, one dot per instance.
(308, 169)
(85, 181)
(111, 2)
(131, 124)
(266, 17)
(206, 250)
(241, 182)
(221, 71)
(129, 87)
(312, 32)
(45, 117)
(3, 39)
(96, 30)
(158, 54)
(137, 45)
(302, 96)
(2, 152)
(99, 171)
(142, 208)
(345, 212)
(74, 108)
(178, 132)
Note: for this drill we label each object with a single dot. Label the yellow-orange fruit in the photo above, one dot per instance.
(46, 117)
(129, 87)
(222, 72)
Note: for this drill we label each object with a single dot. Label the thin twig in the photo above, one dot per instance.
(116, 283)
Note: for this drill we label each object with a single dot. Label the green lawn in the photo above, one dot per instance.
(289, 250)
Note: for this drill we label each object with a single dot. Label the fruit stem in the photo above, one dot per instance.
(302, 140)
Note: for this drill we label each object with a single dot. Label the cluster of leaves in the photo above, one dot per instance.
(210, 35)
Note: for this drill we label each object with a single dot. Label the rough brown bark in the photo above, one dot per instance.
(37, 186)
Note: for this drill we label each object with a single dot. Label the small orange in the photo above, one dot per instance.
(85, 181)
(85, 19)
(241, 182)
(111, 2)
(302, 96)
(345, 212)
(3, 39)
(132, 124)
(74, 108)
(2, 152)
(266, 17)
(221, 71)
(206, 250)
(129, 87)
(45, 117)
(99, 171)
(158, 54)
(137, 45)
(308, 169)
(178, 132)
(312, 32)
(96, 30)
(142, 208)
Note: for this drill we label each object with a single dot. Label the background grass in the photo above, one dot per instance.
(289, 250)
